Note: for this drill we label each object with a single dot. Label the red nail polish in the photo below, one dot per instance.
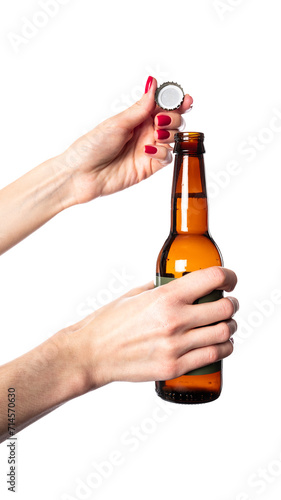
(164, 120)
(148, 84)
(163, 134)
(151, 150)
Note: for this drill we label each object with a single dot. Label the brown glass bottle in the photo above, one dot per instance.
(188, 248)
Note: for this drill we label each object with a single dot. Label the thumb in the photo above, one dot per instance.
(141, 110)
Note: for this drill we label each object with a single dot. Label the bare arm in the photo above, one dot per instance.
(43, 379)
(32, 200)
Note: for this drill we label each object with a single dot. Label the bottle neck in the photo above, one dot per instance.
(189, 212)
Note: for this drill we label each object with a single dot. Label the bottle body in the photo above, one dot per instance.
(200, 252)
(188, 248)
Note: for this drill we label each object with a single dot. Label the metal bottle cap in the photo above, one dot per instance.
(169, 96)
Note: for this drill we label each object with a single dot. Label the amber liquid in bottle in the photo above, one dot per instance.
(188, 248)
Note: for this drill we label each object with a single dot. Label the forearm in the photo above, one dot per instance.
(32, 200)
(43, 379)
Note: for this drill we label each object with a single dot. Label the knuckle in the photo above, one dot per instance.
(167, 322)
(138, 104)
(170, 370)
(213, 354)
(169, 347)
(167, 360)
(170, 324)
(223, 333)
(226, 308)
(139, 107)
(217, 275)
(165, 313)
(164, 296)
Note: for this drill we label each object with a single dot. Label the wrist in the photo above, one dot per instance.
(70, 364)
(63, 177)
(33, 199)
(90, 355)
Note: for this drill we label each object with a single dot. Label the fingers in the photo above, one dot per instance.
(212, 312)
(168, 123)
(161, 154)
(164, 136)
(203, 356)
(168, 120)
(200, 283)
(207, 336)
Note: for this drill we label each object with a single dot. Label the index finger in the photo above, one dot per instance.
(199, 283)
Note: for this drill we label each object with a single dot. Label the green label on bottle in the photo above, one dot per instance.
(211, 297)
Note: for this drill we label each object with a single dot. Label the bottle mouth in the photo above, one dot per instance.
(183, 136)
(191, 143)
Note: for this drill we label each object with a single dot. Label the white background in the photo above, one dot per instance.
(90, 60)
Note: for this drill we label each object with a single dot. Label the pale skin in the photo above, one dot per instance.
(149, 333)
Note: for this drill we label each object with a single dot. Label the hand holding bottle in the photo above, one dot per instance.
(157, 333)
(148, 334)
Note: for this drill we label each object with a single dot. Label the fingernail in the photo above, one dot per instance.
(164, 120)
(150, 150)
(235, 303)
(163, 134)
(232, 325)
(148, 84)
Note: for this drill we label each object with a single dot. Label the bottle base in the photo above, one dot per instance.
(191, 389)
(188, 398)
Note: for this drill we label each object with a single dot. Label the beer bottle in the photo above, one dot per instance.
(189, 247)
